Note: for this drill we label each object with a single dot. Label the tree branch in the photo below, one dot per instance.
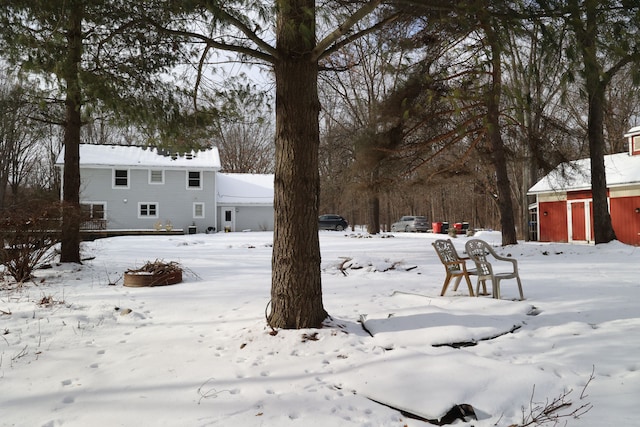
(251, 35)
(339, 45)
(343, 29)
(267, 57)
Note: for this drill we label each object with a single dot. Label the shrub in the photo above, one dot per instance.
(27, 236)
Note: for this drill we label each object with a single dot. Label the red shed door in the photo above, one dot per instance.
(578, 221)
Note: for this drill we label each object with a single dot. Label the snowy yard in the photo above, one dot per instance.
(78, 348)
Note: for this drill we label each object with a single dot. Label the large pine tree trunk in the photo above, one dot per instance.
(602, 226)
(497, 148)
(296, 290)
(70, 248)
(595, 88)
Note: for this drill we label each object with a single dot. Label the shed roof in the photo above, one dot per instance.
(621, 169)
(632, 132)
(244, 188)
(134, 156)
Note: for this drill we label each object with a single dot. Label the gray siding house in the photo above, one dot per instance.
(245, 201)
(138, 188)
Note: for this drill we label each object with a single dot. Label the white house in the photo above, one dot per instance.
(138, 188)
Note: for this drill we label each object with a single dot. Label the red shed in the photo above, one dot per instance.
(563, 212)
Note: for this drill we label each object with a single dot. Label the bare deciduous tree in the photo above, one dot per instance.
(246, 146)
(19, 138)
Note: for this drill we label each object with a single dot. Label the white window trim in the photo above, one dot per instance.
(201, 179)
(157, 215)
(636, 144)
(203, 210)
(161, 182)
(113, 179)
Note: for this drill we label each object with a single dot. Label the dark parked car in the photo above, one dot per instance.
(411, 223)
(332, 222)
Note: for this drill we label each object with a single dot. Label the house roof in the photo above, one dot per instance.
(244, 188)
(632, 132)
(621, 169)
(134, 156)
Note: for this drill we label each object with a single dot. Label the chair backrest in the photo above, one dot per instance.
(478, 250)
(447, 253)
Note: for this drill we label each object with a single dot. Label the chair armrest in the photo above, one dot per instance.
(511, 260)
(507, 259)
(503, 258)
(460, 263)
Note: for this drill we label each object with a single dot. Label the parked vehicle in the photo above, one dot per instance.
(411, 223)
(332, 222)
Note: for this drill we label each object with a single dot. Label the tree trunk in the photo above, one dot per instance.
(497, 148)
(296, 289)
(4, 170)
(373, 225)
(595, 88)
(70, 248)
(602, 227)
(529, 173)
(375, 152)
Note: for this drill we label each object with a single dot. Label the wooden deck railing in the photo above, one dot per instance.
(94, 224)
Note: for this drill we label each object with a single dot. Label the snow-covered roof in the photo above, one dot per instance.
(133, 156)
(633, 131)
(244, 188)
(621, 169)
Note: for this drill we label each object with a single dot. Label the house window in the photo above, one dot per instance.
(147, 210)
(636, 144)
(93, 216)
(121, 178)
(227, 215)
(193, 180)
(156, 177)
(198, 210)
(93, 211)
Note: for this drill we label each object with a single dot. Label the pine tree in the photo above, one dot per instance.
(294, 54)
(92, 56)
(606, 39)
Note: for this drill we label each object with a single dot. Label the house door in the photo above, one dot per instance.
(229, 219)
(580, 221)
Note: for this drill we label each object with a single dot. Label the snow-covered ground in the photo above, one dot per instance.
(77, 348)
